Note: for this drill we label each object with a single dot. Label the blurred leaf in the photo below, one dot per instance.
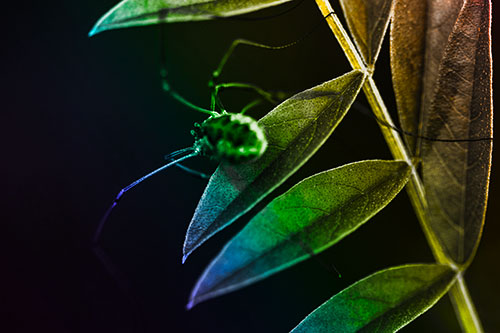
(131, 13)
(408, 30)
(456, 174)
(312, 216)
(367, 20)
(383, 302)
(295, 130)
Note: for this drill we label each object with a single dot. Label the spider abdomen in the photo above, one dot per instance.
(231, 137)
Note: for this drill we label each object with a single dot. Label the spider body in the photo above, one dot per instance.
(230, 137)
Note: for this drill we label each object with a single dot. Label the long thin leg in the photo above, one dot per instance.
(190, 153)
(182, 100)
(191, 171)
(242, 41)
(166, 86)
(217, 72)
(250, 105)
(271, 97)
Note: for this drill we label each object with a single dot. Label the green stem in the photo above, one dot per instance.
(464, 307)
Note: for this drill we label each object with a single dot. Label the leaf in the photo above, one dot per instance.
(295, 130)
(419, 34)
(456, 175)
(382, 302)
(312, 216)
(408, 30)
(132, 13)
(441, 18)
(367, 20)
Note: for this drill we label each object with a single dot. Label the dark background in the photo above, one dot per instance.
(82, 118)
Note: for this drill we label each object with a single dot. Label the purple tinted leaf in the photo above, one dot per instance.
(313, 215)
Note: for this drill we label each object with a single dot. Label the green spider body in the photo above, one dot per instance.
(230, 137)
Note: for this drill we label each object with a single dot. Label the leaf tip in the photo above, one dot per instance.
(186, 252)
(190, 246)
(190, 305)
(94, 31)
(188, 249)
(193, 298)
(97, 28)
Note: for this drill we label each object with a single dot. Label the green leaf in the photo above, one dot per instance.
(132, 13)
(456, 175)
(408, 30)
(312, 216)
(367, 20)
(295, 130)
(383, 302)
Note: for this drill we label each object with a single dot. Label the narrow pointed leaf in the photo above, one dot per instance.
(313, 215)
(408, 31)
(419, 35)
(383, 302)
(456, 175)
(441, 17)
(131, 13)
(295, 130)
(367, 20)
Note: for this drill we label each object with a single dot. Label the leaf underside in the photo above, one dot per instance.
(456, 175)
(383, 302)
(367, 21)
(441, 68)
(419, 34)
(294, 130)
(441, 17)
(408, 31)
(132, 13)
(312, 216)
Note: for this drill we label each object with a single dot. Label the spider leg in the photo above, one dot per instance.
(191, 171)
(251, 105)
(166, 86)
(215, 101)
(185, 154)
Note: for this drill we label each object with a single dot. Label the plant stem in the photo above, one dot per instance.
(464, 307)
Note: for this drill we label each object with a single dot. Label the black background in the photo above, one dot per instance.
(84, 117)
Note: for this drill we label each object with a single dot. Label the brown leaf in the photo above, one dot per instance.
(441, 17)
(419, 35)
(407, 62)
(456, 175)
(367, 21)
